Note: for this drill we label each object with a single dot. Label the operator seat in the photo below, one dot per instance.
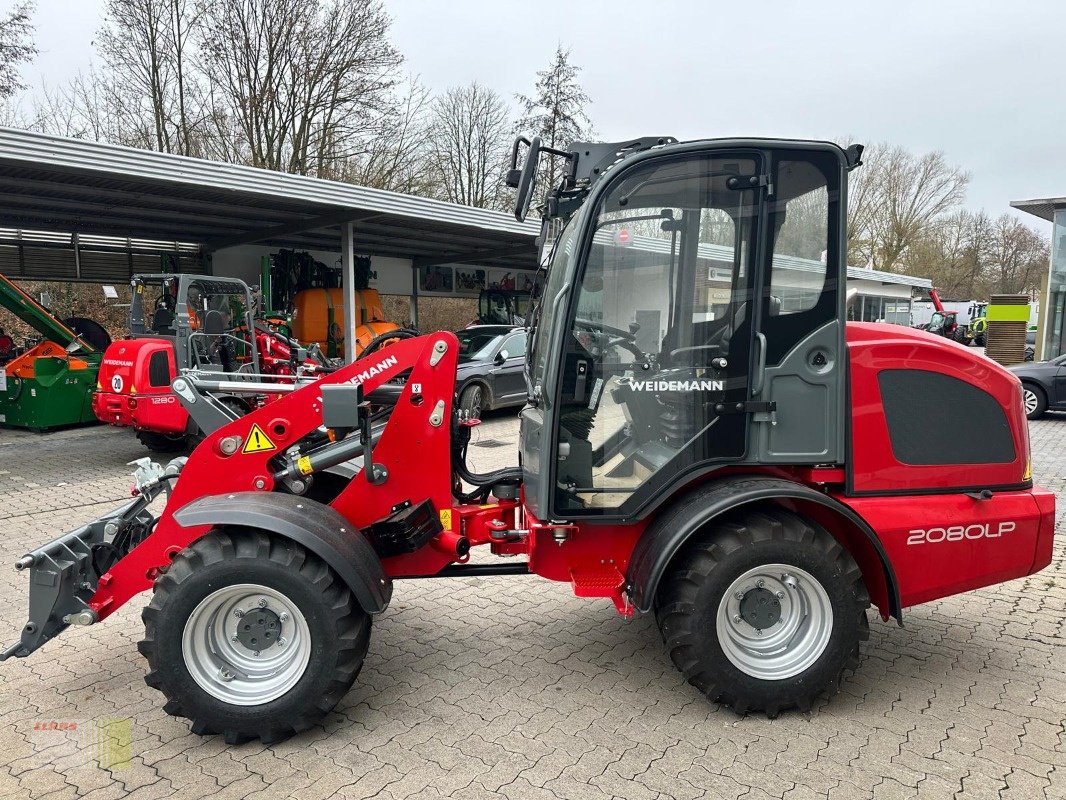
(163, 321)
(215, 327)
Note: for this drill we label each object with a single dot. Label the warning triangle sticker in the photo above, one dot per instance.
(258, 442)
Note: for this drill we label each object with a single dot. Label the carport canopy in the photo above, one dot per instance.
(50, 183)
(81, 189)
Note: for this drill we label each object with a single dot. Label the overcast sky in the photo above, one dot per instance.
(975, 79)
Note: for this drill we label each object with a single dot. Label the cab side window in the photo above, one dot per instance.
(803, 290)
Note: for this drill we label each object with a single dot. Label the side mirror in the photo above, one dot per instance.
(501, 357)
(525, 179)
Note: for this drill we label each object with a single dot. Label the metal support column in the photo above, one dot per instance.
(414, 296)
(348, 288)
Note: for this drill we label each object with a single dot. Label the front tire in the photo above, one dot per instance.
(230, 593)
(472, 401)
(764, 611)
(161, 442)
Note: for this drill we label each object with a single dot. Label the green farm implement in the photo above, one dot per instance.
(50, 384)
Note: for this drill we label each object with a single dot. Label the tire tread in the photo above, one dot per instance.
(677, 603)
(351, 624)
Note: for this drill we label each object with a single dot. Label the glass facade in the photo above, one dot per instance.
(1054, 333)
(873, 308)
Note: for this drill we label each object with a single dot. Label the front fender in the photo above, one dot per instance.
(319, 528)
(666, 535)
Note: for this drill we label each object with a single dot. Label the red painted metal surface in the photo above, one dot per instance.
(938, 543)
(414, 451)
(951, 543)
(875, 347)
(126, 398)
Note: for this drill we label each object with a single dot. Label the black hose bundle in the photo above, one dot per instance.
(483, 483)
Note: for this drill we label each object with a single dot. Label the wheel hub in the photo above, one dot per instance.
(246, 644)
(760, 608)
(774, 621)
(259, 629)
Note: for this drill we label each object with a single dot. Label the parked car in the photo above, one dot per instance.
(1043, 385)
(492, 359)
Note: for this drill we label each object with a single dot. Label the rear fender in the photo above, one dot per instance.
(693, 511)
(315, 526)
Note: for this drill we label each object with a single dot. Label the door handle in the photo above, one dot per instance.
(760, 364)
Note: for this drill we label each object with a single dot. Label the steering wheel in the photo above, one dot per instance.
(617, 337)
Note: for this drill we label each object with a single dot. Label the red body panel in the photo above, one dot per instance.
(938, 543)
(126, 398)
(951, 543)
(875, 347)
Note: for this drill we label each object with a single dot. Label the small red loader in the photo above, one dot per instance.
(181, 323)
(705, 440)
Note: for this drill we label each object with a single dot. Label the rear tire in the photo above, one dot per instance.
(161, 442)
(200, 652)
(1034, 400)
(771, 568)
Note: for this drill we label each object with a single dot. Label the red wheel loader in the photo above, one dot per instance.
(705, 440)
(183, 323)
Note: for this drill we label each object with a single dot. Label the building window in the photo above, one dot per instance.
(875, 308)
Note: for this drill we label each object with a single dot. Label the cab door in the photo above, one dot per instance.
(803, 371)
(672, 239)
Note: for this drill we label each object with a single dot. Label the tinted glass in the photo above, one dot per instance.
(659, 333)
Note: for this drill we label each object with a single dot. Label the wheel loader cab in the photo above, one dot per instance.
(693, 298)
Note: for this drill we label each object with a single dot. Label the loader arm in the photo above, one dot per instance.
(249, 455)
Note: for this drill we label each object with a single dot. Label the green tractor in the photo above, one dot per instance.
(976, 331)
(978, 327)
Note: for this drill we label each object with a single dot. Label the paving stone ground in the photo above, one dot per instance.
(512, 687)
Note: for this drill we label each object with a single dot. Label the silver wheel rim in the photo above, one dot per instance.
(224, 666)
(1029, 397)
(788, 646)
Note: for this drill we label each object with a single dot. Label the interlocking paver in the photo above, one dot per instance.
(497, 687)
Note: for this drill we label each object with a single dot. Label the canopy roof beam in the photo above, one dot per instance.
(471, 256)
(290, 228)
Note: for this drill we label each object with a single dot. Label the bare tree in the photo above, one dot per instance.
(863, 184)
(392, 153)
(556, 112)
(468, 145)
(970, 255)
(953, 253)
(1019, 258)
(16, 47)
(299, 79)
(899, 198)
(146, 46)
